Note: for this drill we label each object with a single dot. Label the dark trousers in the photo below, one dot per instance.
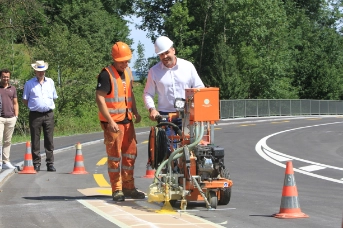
(37, 120)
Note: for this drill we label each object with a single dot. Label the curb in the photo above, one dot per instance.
(7, 173)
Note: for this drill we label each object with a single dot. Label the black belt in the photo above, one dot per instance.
(42, 112)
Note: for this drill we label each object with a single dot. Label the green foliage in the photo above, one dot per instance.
(138, 89)
(153, 13)
(141, 64)
(75, 38)
(247, 48)
(256, 49)
(178, 25)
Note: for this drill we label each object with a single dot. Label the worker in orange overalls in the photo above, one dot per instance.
(117, 107)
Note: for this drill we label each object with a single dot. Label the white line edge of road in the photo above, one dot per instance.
(261, 146)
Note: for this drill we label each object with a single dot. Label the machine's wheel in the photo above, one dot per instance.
(212, 199)
(224, 173)
(225, 196)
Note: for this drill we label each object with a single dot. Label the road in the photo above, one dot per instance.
(256, 152)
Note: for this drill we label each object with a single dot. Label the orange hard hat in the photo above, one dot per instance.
(121, 52)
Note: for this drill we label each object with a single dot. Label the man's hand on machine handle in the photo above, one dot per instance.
(153, 114)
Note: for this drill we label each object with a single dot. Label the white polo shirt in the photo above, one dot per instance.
(170, 83)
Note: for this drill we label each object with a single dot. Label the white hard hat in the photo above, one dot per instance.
(162, 44)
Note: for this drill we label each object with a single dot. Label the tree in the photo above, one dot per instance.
(153, 13)
(91, 22)
(141, 64)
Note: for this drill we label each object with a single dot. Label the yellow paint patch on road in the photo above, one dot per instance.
(145, 142)
(315, 119)
(217, 128)
(140, 213)
(106, 192)
(166, 209)
(246, 125)
(100, 180)
(96, 191)
(102, 161)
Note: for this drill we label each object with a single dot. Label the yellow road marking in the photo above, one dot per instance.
(246, 125)
(102, 161)
(144, 142)
(217, 128)
(315, 119)
(107, 192)
(100, 180)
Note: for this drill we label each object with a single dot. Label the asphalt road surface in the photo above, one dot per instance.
(256, 152)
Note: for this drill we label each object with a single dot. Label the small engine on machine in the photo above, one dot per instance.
(210, 161)
(193, 167)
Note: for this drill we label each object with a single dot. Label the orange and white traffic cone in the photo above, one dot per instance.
(28, 164)
(290, 207)
(79, 167)
(150, 172)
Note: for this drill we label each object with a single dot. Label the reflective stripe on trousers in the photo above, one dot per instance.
(121, 150)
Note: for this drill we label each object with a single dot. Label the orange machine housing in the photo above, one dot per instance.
(203, 104)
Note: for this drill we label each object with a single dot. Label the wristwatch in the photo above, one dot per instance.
(153, 108)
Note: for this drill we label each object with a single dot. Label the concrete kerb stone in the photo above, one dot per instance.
(7, 173)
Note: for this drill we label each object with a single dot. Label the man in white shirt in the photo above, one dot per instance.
(168, 79)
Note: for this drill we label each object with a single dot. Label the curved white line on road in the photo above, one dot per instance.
(263, 149)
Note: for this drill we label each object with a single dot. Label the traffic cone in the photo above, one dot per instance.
(150, 172)
(290, 207)
(79, 167)
(28, 164)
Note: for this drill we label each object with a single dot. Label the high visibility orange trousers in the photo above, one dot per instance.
(121, 149)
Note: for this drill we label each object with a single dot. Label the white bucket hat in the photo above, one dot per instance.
(40, 65)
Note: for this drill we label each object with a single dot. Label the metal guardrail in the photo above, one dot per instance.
(264, 108)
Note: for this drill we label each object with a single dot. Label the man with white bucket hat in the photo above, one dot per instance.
(39, 95)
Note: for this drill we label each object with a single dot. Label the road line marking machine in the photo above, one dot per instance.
(189, 166)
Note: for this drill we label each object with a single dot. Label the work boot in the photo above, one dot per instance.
(133, 194)
(50, 168)
(37, 167)
(8, 165)
(118, 196)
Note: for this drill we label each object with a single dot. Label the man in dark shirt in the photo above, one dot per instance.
(117, 108)
(8, 116)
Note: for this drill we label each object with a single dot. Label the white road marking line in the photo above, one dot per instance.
(128, 216)
(99, 212)
(262, 146)
(275, 156)
(311, 168)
